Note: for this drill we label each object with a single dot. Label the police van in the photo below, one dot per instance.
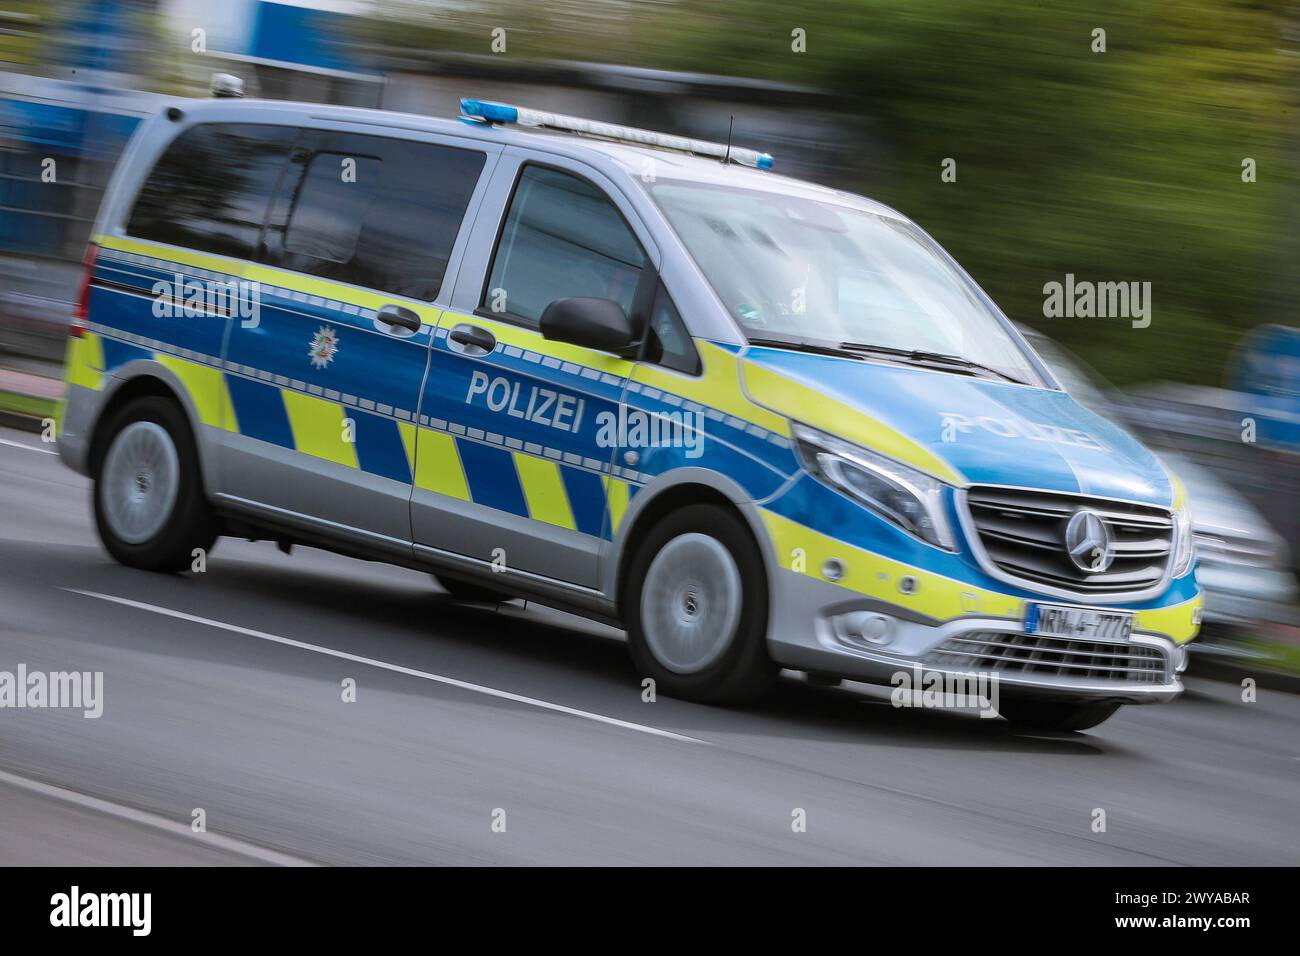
(758, 423)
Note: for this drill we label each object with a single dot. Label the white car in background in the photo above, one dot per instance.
(1243, 565)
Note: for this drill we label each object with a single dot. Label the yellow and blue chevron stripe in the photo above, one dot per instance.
(458, 466)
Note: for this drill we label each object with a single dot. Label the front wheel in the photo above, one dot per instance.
(1056, 714)
(695, 607)
(150, 508)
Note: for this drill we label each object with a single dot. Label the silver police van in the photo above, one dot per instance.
(756, 422)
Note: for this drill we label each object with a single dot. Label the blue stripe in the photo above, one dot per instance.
(379, 447)
(493, 481)
(133, 313)
(117, 354)
(586, 499)
(259, 410)
(139, 277)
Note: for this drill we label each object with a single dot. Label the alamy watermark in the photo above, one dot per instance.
(1083, 299)
(74, 908)
(945, 690)
(78, 690)
(635, 428)
(182, 298)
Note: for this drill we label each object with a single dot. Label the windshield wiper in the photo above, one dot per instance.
(923, 357)
(806, 345)
(854, 350)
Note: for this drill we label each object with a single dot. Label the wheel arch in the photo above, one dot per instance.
(669, 492)
(140, 379)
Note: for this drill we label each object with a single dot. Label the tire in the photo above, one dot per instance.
(150, 508)
(695, 607)
(1056, 714)
(465, 591)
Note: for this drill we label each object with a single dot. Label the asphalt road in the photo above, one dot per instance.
(223, 691)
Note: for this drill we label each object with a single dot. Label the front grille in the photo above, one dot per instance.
(1051, 656)
(1023, 534)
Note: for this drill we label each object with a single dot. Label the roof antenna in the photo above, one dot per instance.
(730, 126)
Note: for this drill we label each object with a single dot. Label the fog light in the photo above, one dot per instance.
(864, 627)
(833, 569)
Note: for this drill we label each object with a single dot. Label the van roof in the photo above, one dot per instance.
(630, 158)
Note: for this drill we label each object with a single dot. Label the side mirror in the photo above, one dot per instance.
(592, 323)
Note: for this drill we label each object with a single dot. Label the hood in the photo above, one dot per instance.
(964, 429)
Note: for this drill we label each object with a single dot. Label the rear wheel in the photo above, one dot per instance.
(150, 508)
(1056, 714)
(465, 591)
(695, 607)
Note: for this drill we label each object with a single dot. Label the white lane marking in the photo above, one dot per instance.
(395, 668)
(18, 444)
(153, 820)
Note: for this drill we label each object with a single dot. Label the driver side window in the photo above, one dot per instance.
(562, 238)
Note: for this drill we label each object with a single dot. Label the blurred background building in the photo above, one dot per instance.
(1133, 141)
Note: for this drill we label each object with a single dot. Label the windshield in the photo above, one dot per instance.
(788, 267)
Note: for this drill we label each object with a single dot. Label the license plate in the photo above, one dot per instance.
(1079, 623)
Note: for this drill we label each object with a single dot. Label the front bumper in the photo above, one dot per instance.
(802, 635)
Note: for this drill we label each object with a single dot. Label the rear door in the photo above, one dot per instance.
(325, 385)
(514, 449)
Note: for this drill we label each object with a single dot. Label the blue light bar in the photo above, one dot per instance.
(489, 112)
(483, 111)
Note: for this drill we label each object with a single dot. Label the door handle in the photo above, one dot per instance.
(471, 340)
(400, 316)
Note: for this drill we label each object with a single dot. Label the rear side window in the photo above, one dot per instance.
(562, 238)
(374, 212)
(211, 188)
(330, 206)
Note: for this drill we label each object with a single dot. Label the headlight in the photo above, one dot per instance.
(898, 493)
(1183, 549)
